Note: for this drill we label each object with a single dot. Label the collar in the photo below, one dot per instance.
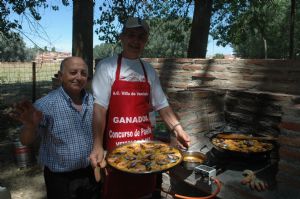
(84, 95)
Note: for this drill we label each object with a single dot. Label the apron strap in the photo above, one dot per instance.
(145, 74)
(118, 67)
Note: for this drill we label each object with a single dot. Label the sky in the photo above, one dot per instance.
(55, 30)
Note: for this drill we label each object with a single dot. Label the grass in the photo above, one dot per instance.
(18, 72)
(16, 80)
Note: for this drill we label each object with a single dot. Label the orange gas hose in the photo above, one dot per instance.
(213, 195)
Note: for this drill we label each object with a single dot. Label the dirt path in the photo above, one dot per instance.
(27, 183)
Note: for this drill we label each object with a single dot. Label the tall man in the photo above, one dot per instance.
(124, 86)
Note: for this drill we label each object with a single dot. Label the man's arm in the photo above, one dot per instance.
(172, 122)
(99, 121)
(97, 155)
(30, 117)
(28, 134)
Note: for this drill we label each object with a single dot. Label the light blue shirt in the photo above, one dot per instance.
(66, 133)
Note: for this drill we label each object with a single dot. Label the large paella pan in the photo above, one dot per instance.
(144, 157)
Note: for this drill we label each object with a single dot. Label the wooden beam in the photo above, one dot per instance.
(82, 40)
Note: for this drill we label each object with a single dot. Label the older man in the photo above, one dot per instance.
(63, 121)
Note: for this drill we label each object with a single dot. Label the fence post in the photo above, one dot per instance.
(33, 81)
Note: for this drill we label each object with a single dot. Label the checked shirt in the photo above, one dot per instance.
(66, 133)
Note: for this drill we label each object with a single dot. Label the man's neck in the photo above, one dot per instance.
(130, 55)
(75, 97)
(77, 100)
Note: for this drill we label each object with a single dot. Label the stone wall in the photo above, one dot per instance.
(254, 92)
(198, 111)
(280, 76)
(251, 96)
(289, 140)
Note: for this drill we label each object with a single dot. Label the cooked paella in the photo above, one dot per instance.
(240, 145)
(144, 157)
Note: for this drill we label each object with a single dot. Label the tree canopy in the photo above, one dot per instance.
(114, 13)
(170, 39)
(254, 28)
(105, 49)
(13, 48)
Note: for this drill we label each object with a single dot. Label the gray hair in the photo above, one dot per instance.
(61, 67)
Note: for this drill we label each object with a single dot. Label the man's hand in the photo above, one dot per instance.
(26, 113)
(97, 158)
(183, 138)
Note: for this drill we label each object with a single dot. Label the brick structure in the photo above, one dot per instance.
(251, 96)
(278, 76)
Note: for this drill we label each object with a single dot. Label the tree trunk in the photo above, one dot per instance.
(82, 44)
(292, 27)
(200, 29)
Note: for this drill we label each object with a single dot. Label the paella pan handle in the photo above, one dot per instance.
(211, 134)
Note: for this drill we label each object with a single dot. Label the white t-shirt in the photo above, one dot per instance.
(131, 70)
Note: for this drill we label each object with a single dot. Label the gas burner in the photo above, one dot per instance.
(227, 161)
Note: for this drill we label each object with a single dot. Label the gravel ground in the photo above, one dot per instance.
(26, 183)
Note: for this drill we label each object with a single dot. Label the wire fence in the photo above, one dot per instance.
(20, 81)
(25, 80)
